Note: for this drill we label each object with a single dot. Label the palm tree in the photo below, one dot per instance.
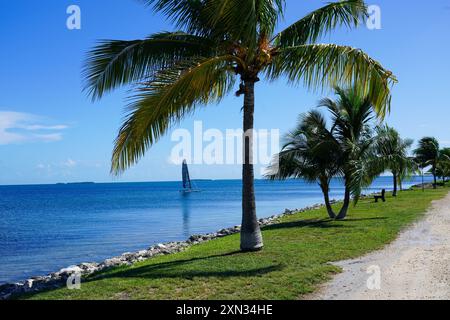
(347, 150)
(421, 166)
(407, 170)
(310, 153)
(352, 114)
(443, 166)
(428, 154)
(219, 42)
(393, 150)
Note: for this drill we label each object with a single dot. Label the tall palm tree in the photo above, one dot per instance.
(352, 115)
(428, 154)
(393, 150)
(219, 42)
(311, 153)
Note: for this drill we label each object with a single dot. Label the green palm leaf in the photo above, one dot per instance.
(185, 14)
(309, 29)
(166, 99)
(113, 63)
(329, 65)
(245, 20)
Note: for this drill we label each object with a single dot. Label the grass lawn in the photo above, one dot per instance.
(294, 262)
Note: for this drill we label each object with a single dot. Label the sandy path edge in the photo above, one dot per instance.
(416, 266)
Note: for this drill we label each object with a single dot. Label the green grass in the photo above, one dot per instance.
(294, 262)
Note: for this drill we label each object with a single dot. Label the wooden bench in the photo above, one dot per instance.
(382, 196)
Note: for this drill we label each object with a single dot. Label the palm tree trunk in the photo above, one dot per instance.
(326, 194)
(435, 178)
(343, 213)
(423, 182)
(251, 238)
(394, 194)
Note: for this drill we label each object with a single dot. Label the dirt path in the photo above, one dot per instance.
(416, 266)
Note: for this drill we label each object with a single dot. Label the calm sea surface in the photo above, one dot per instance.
(47, 227)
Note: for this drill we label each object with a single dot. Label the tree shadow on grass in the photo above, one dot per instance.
(156, 272)
(323, 224)
(183, 269)
(189, 269)
(364, 219)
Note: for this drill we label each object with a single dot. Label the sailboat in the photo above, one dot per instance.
(188, 186)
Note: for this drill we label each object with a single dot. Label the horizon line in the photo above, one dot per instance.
(155, 181)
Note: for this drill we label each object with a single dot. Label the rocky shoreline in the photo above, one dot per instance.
(59, 279)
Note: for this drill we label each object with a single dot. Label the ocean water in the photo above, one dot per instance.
(44, 228)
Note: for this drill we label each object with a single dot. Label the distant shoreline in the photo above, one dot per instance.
(73, 183)
(140, 182)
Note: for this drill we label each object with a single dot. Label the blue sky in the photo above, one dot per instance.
(51, 132)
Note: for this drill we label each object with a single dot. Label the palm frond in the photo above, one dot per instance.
(185, 14)
(268, 13)
(347, 13)
(327, 65)
(113, 63)
(244, 21)
(309, 152)
(363, 167)
(427, 152)
(234, 18)
(168, 98)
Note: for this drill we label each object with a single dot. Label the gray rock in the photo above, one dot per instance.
(142, 253)
(89, 267)
(28, 284)
(70, 271)
(128, 256)
(113, 262)
(195, 238)
(40, 279)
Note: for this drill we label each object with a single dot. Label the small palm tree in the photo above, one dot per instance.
(311, 153)
(217, 43)
(346, 150)
(407, 170)
(428, 155)
(393, 151)
(352, 115)
(443, 166)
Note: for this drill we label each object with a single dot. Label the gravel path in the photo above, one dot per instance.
(414, 267)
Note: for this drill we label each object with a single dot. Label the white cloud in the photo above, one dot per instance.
(41, 127)
(69, 163)
(48, 137)
(19, 127)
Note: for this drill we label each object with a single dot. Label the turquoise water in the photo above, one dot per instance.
(44, 228)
